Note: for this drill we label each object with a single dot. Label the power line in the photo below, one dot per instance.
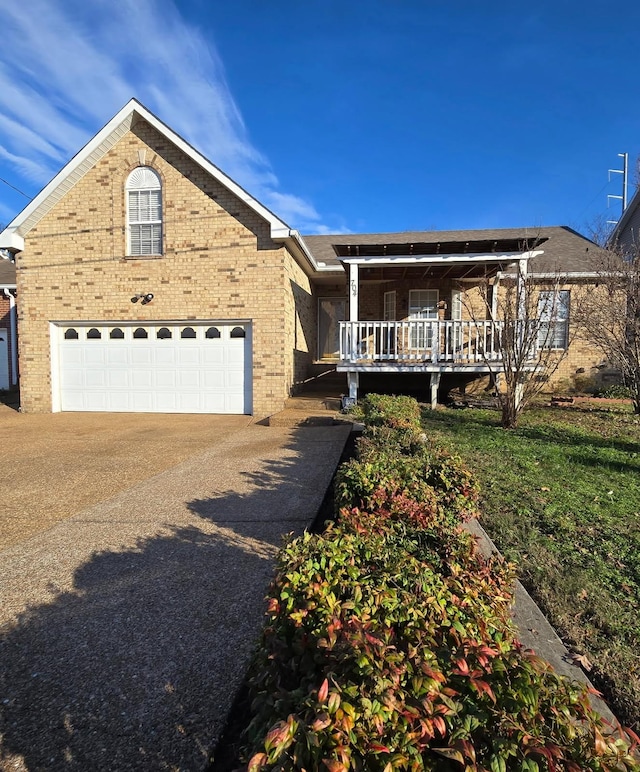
(13, 187)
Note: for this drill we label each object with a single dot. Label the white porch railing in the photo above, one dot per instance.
(447, 341)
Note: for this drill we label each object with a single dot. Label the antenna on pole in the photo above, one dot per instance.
(625, 179)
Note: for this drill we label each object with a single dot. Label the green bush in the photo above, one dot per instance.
(404, 462)
(375, 658)
(394, 412)
(389, 644)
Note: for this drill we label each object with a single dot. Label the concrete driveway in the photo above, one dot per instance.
(55, 465)
(126, 627)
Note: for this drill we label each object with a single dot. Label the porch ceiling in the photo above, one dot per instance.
(436, 271)
(442, 248)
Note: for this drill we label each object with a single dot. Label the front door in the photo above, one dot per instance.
(423, 306)
(331, 311)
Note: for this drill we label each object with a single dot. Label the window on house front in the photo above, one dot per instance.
(144, 212)
(553, 312)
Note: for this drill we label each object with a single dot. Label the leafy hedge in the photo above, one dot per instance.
(389, 644)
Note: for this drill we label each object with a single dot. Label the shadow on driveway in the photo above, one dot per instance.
(136, 666)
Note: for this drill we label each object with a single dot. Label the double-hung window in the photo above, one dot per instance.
(144, 212)
(553, 315)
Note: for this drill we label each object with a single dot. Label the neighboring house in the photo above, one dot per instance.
(150, 281)
(8, 331)
(626, 234)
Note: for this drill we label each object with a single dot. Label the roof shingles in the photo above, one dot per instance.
(565, 250)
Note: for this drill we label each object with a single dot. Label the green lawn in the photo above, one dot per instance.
(561, 498)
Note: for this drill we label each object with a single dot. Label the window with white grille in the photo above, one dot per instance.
(144, 212)
(553, 313)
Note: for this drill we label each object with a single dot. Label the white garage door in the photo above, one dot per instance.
(155, 368)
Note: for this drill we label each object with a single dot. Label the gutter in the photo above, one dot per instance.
(293, 237)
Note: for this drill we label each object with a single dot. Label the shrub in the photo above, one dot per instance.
(394, 412)
(375, 659)
(405, 466)
(389, 644)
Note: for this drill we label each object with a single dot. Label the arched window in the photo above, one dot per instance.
(238, 332)
(93, 334)
(71, 334)
(188, 332)
(163, 333)
(116, 334)
(144, 212)
(212, 332)
(140, 332)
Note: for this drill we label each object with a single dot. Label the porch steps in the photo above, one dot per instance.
(309, 410)
(292, 417)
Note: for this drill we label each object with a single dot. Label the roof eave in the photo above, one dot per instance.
(96, 148)
(10, 239)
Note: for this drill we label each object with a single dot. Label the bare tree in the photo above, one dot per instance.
(528, 337)
(610, 316)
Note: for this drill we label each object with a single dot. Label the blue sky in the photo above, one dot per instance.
(345, 115)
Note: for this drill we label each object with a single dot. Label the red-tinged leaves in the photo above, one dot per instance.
(463, 667)
(276, 735)
(322, 722)
(482, 687)
(389, 634)
(378, 748)
(440, 725)
(323, 691)
(333, 765)
(257, 762)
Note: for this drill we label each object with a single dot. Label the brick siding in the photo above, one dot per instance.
(218, 263)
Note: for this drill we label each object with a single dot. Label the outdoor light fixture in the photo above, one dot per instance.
(145, 298)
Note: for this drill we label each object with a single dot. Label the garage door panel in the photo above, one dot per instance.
(166, 374)
(96, 379)
(142, 355)
(189, 355)
(118, 379)
(93, 355)
(166, 355)
(166, 379)
(118, 355)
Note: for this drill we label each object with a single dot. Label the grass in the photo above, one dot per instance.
(561, 498)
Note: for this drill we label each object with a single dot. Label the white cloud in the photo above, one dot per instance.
(79, 62)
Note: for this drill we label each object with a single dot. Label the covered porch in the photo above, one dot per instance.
(426, 307)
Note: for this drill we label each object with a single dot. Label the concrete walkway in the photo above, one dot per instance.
(126, 630)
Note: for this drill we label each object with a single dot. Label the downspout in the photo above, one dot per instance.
(14, 335)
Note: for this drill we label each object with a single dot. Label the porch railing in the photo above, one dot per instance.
(459, 342)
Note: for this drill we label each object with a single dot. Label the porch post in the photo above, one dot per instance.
(494, 298)
(353, 381)
(434, 383)
(354, 291)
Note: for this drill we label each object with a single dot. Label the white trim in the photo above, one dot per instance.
(354, 292)
(559, 275)
(55, 336)
(13, 235)
(454, 257)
